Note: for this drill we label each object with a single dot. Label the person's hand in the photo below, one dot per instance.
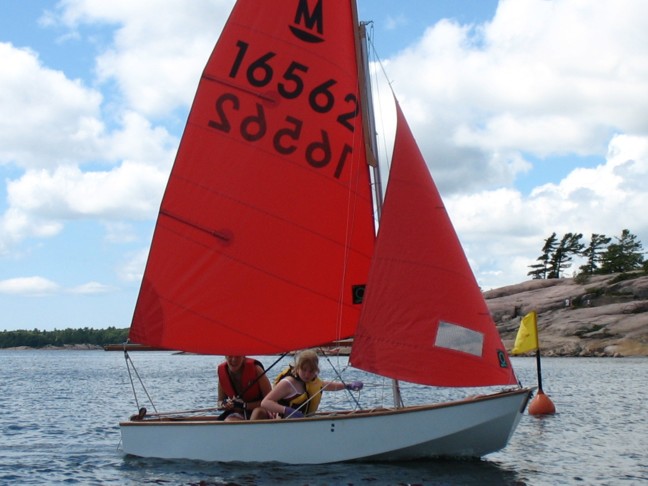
(354, 386)
(229, 404)
(290, 412)
(238, 403)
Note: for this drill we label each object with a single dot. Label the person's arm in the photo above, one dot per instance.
(337, 385)
(271, 400)
(223, 401)
(221, 394)
(332, 385)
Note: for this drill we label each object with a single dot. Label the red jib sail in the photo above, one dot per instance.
(266, 224)
(424, 319)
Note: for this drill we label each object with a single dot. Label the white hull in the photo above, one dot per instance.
(467, 428)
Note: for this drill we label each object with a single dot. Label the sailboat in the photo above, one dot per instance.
(268, 241)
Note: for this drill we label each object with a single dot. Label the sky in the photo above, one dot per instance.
(531, 114)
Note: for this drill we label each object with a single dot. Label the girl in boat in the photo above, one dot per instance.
(298, 390)
(242, 384)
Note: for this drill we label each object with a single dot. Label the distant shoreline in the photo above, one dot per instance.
(65, 347)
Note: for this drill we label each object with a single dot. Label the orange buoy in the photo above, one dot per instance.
(541, 405)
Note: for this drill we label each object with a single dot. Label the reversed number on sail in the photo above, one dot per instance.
(251, 122)
(254, 127)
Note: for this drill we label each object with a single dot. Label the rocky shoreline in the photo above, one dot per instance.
(607, 315)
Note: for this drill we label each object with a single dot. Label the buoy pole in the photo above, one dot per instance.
(539, 370)
(541, 403)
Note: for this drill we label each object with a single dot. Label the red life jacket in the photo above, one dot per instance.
(249, 383)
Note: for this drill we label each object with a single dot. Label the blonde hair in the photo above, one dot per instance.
(307, 359)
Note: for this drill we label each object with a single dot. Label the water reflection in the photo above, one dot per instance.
(446, 472)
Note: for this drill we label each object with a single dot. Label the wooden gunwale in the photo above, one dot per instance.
(329, 415)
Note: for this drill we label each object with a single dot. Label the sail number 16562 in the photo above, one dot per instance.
(260, 73)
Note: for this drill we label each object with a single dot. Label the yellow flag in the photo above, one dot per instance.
(527, 336)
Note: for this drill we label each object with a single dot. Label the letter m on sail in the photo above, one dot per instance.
(308, 22)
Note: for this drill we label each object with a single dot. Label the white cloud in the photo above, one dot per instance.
(54, 188)
(69, 193)
(42, 201)
(16, 225)
(543, 78)
(155, 57)
(28, 286)
(139, 141)
(91, 288)
(41, 286)
(45, 118)
(133, 268)
(157, 53)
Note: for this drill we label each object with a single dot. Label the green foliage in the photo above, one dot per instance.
(541, 269)
(593, 253)
(624, 256)
(39, 339)
(602, 257)
(569, 246)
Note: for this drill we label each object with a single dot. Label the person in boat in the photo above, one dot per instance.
(242, 384)
(298, 390)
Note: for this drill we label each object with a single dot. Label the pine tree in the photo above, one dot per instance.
(593, 253)
(540, 269)
(569, 245)
(624, 256)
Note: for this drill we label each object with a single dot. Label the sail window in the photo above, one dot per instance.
(459, 338)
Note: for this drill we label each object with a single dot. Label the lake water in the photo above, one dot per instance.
(60, 410)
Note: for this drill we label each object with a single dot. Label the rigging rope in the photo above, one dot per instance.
(130, 376)
(339, 376)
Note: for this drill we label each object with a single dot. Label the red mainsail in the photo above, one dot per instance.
(424, 319)
(266, 225)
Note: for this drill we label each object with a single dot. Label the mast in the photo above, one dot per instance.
(369, 130)
(366, 104)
